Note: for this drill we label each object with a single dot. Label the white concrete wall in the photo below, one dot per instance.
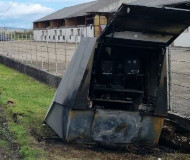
(183, 40)
(69, 34)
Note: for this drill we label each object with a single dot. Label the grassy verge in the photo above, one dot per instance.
(25, 103)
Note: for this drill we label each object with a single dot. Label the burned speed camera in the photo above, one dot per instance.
(115, 89)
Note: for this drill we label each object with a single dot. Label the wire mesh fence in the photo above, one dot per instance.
(49, 56)
(55, 57)
(180, 81)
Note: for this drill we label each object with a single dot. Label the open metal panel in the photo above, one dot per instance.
(73, 87)
(147, 24)
(76, 74)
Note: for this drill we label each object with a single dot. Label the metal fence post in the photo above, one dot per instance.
(75, 42)
(36, 54)
(56, 64)
(170, 80)
(21, 46)
(26, 48)
(48, 56)
(10, 45)
(3, 43)
(42, 54)
(18, 48)
(65, 49)
(30, 49)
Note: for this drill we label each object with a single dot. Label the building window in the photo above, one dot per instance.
(78, 32)
(60, 33)
(54, 37)
(72, 33)
(42, 33)
(45, 37)
(63, 37)
(49, 37)
(55, 32)
(58, 37)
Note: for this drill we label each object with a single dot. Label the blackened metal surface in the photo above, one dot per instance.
(113, 127)
(161, 102)
(138, 36)
(76, 75)
(75, 80)
(82, 96)
(80, 126)
(152, 20)
(57, 119)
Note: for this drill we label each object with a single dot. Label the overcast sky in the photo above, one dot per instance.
(21, 13)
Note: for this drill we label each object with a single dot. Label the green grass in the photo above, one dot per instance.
(25, 102)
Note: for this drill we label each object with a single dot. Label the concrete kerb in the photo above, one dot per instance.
(54, 81)
(37, 74)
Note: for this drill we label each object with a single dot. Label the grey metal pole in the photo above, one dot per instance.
(18, 47)
(22, 50)
(10, 45)
(26, 49)
(48, 56)
(75, 42)
(170, 80)
(65, 49)
(56, 64)
(11, 41)
(6, 40)
(3, 44)
(31, 48)
(36, 54)
(42, 54)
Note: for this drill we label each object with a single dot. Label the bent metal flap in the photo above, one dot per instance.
(147, 24)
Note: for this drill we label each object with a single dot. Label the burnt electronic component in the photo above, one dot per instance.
(118, 78)
(115, 89)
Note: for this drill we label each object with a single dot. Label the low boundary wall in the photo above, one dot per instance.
(37, 74)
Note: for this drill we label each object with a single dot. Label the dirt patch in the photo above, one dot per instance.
(8, 147)
(175, 137)
(64, 151)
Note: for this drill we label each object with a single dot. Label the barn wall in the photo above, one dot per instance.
(68, 34)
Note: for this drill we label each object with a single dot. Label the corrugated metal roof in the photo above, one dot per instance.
(81, 9)
(103, 6)
(66, 12)
(158, 2)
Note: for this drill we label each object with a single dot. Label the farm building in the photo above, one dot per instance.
(89, 20)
